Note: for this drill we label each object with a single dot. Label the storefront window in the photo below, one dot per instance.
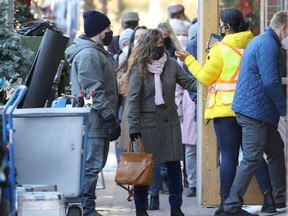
(250, 10)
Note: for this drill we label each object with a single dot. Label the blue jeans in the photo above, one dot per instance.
(175, 187)
(229, 137)
(156, 184)
(258, 138)
(96, 157)
(191, 164)
(159, 170)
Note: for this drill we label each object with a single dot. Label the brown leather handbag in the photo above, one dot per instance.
(134, 168)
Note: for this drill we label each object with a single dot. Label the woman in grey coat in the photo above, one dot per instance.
(152, 113)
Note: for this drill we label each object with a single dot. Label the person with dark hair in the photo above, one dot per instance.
(121, 75)
(160, 175)
(92, 73)
(220, 73)
(258, 103)
(152, 113)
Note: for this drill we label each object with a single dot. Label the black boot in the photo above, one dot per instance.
(154, 203)
(176, 211)
(268, 202)
(141, 212)
(221, 207)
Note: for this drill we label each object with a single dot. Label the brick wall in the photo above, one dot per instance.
(271, 7)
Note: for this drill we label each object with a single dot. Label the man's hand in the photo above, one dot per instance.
(113, 126)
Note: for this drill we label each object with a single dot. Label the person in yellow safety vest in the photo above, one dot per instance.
(220, 74)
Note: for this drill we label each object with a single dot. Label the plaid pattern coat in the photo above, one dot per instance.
(158, 125)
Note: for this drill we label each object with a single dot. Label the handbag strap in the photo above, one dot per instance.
(130, 191)
(147, 165)
(131, 145)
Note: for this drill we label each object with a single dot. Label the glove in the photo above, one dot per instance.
(113, 127)
(134, 136)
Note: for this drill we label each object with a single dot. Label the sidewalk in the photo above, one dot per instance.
(112, 201)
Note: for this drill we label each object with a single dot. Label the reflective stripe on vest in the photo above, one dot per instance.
(228, 78)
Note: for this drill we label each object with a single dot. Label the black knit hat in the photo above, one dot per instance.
(95, 22)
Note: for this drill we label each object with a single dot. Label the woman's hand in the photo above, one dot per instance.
(182, 54)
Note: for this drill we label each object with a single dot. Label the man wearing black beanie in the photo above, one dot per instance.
(93, 76)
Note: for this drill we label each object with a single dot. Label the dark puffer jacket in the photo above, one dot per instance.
(259, 92)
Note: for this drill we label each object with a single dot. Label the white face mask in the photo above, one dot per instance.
(125, 50)
(284, 42)
(184, 40)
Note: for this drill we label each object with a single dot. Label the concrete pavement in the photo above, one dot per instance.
(111, 200)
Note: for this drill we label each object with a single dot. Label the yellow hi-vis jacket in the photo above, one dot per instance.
(220, 73)
(220, 95)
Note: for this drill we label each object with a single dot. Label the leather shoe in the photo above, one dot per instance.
(239, 212)
(280, 205)
(220, 210)
(154, 203)
(191, 192)
(268, 202)
(141, 212)
(176, 211)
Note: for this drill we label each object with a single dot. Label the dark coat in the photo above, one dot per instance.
(259, 92)
(158, 125)
(92, 69)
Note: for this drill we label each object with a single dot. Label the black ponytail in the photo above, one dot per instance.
(235, 19)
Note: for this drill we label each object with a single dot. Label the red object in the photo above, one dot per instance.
(93, 92)
(83, 93)
(28, 2)
(245, 6)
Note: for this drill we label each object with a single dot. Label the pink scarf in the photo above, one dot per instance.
(156, 68)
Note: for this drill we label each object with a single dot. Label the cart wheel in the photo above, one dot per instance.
(74, 210)
(5, 207)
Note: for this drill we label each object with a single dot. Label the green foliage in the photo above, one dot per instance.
(22, 13)
(15, 59)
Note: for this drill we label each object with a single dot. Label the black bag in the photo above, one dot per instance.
(37, 28)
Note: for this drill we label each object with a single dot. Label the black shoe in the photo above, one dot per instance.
(191, 192)
(98, 214)
(154, 203)
(268, 203)
(220, 210)
(281, 205)
(141, 212)
(176, 211)
(185, 183)
(239, 212)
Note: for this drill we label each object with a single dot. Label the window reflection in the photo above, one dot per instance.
(250, 10)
